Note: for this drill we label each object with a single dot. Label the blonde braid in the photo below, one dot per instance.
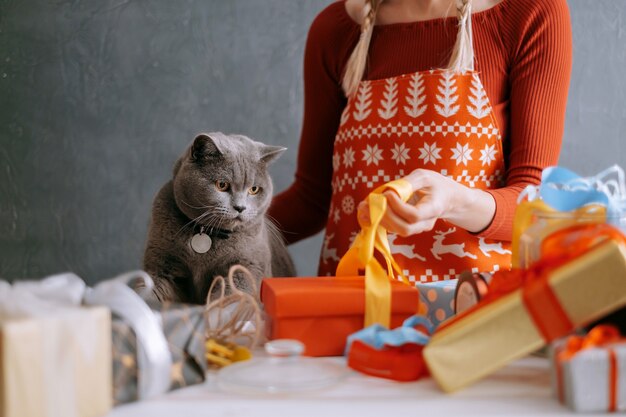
(355, 68)
(462, 58)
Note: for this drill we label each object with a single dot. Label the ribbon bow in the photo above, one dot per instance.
(395, 354)
(361, 256)
(600, 336)
(378, 336)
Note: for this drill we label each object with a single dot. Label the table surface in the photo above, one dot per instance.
(520, 389)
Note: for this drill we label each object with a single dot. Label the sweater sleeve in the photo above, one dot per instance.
(302, 209)
(541, 44)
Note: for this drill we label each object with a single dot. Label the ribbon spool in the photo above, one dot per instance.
(471, 288)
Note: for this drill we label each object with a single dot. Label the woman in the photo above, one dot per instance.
(468, 137)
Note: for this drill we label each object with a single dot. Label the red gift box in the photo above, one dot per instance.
(322, 312)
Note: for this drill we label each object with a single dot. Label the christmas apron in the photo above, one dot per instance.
(437, 120)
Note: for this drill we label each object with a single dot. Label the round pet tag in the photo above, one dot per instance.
(201, 243)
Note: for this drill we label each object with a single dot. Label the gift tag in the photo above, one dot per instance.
(201, 243)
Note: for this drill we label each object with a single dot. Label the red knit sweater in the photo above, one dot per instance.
(523, 51)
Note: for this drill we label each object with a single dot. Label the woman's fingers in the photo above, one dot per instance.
(419, 179)
(395, 224)
(417, 215)
(390, 221)
(423, 208)
(363, 213)
(405, 219)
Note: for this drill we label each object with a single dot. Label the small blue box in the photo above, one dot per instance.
(438, 299)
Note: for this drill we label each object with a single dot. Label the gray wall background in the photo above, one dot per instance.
(98, 98)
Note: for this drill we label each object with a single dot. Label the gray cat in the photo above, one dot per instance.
(211, 215)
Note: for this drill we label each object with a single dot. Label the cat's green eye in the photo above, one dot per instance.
(222, 185)
(254, 190)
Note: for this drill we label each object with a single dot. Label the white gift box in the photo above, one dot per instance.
(593, 379)
(55, 358)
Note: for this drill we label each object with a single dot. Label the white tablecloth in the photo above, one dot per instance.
(520, 389)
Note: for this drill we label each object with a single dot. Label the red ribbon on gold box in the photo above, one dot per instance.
(580, 279)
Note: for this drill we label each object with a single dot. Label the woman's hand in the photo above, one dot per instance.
(435, 197)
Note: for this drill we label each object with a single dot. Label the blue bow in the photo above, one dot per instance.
(564, 190)
(378, 336)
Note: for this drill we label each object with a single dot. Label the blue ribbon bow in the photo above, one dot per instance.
(378, 336)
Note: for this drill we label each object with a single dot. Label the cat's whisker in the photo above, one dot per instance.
(194, 221)
(274, 222)
(208, 206)
(274, 232)
(183, 228)
(273, 228)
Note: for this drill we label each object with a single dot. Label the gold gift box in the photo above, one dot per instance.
(58, 365)
(478, 344)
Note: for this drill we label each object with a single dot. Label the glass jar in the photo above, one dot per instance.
(544, 223)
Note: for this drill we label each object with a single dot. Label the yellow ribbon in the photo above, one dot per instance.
(361, 256)
(527, 211)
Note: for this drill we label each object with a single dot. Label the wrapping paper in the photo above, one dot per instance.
(437, 300)
(183, 326)
(322, 312)
(475, 344)
(55, 357)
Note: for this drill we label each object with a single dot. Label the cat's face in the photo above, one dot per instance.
(222, 180)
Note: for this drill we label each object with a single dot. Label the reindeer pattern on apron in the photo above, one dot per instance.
(439, 120)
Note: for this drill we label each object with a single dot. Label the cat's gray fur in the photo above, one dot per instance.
(191, 199)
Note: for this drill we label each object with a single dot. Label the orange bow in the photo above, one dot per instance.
(599, 336)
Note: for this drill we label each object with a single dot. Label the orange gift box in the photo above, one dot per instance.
(322, 312)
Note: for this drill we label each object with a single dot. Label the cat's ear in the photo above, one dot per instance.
(270, 153)
(177, 166)
(203, 146)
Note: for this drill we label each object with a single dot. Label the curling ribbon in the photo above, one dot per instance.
(361, 256)
(599, 336)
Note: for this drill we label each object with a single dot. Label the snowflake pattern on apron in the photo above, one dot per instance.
(438, 120)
